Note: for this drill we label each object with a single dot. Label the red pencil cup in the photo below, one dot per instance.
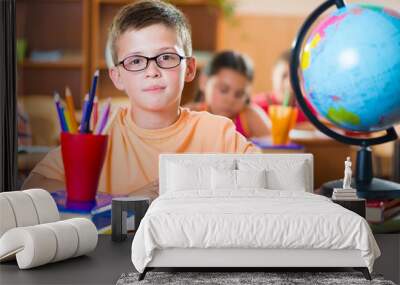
(83, 157)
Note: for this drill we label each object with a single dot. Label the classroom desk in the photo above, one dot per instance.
(396, 162)
(102, 266)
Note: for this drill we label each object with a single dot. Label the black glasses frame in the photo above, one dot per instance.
(148, 59)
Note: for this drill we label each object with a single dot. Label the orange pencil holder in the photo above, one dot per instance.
(283, 119)
(83, 157)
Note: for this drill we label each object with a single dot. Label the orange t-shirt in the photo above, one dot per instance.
(131, 160)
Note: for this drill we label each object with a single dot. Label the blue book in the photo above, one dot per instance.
(101, 203)
(99, 211)
(267, 144)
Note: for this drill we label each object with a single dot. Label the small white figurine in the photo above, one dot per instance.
(347, 174)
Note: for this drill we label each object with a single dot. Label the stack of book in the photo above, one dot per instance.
(98, 211)
(383, 215)
(344, 194)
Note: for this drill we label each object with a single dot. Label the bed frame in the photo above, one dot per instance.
(245, 258)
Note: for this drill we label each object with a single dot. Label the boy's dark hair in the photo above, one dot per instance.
(142, 14)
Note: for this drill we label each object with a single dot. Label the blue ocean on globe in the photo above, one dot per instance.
(350, 67)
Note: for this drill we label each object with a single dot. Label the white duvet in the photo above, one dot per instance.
(253, 218)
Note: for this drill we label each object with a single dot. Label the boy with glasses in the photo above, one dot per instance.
(150, 45)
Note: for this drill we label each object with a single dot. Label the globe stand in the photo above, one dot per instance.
(367, 186)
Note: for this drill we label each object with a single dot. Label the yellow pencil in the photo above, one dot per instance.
(68, 119)
(71, 110)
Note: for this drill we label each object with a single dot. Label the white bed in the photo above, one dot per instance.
(202, 220)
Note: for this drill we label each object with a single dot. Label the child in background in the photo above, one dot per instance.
(226, 88)
(151, 49)
(282, 90)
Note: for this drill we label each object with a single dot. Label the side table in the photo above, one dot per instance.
(355, 205)
(119, 213)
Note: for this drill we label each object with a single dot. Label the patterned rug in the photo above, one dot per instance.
(243, 278)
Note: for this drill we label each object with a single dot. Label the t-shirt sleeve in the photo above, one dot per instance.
(236, 142)
(51, 166)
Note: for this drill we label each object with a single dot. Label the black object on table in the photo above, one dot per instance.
(119, 214)
(104, 265)
(357, 205)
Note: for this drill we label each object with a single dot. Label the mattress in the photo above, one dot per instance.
(250, 219)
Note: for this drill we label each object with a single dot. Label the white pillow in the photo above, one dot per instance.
(223, 179)
(237, 179)
(251, 178)
(285, 174)
(293, 180)
(181, 178)
(193, 174)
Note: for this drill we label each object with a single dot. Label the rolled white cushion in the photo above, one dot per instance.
(40, 244)
(23, 208)
(33, 246)
(7, 218)
(87, 235)
(45, 205)
(67, 239)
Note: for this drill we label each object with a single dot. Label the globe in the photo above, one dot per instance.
(347, 66)
(350, 67)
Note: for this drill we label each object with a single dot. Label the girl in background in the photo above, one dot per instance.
(225, 88)
(282, 90)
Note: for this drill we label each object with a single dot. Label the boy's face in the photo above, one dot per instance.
(154, 88)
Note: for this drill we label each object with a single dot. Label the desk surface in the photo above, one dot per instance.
(102, 266)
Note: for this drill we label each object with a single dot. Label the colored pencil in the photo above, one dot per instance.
(100, 115)
(103, 117)
(68, 119)
(85, 124)
(61, 118)
(71, 110)
(65, 118)
(85, 103)
(95, 112)
(109, 122)
(286, 99)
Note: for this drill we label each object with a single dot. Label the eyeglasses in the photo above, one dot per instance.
(164, 60)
